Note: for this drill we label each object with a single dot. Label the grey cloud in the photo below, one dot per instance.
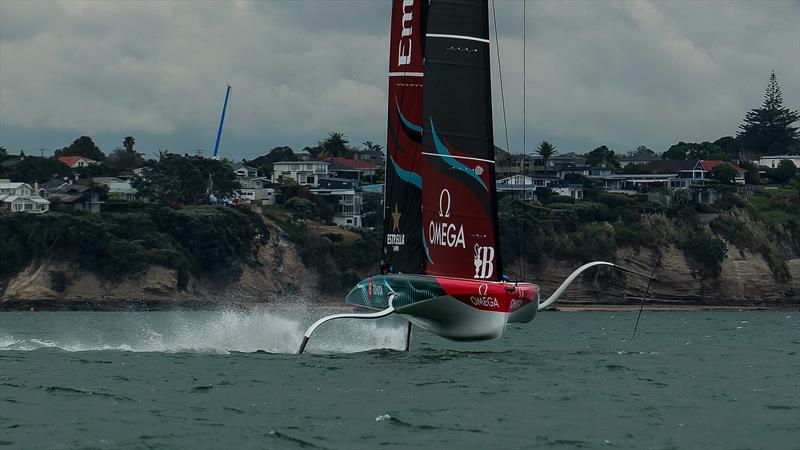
(616, 73)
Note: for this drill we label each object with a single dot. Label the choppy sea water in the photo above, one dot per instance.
(690, 380)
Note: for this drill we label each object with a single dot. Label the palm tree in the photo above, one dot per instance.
(546, 150)
(369, 146)
(335, 144)
(128, 142)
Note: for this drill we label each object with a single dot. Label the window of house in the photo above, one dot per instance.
(309, 180)
(28, 207)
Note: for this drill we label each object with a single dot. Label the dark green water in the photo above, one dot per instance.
(698, 380)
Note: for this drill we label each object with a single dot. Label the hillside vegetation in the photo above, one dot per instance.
(201, 241)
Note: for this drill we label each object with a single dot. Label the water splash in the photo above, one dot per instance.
(271, 331)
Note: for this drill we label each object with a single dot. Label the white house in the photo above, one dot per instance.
(20, 197)
(576, 191)
(346, 205)
(244, 171)
(263, 196)
(306, 173)
(773, 161)
(75, 162)
(525, 180)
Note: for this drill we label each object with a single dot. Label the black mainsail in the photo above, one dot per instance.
(459, 198)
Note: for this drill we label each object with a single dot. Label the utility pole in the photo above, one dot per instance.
(41, 152)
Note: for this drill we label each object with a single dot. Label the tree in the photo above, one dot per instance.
(36, 169)
(3, 153)
(124, 159)
(729, 146)
(783, 172)
(751, 176)
(641, 151)
(128, 143)
(769, 129)
(692, 150)
(264, 163)
(186, 180)
(302, 208)
(336, 145)
(546, 150)
(370, 147)
(83, 146)
(677, 151)
(602, 157)
(725, 173)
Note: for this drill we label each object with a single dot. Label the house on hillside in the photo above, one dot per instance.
(690, 170)
(573, 190)
(338, 183)
(244, 171)
(306, 173)
(80, 197)
(346, 204)
(74, 162)
(525, 186)
(355, 169)
(638, 160)
(773, 161)
(708, 166)
(51, 186)
(374, 156)
(118, 189)
(21, 197)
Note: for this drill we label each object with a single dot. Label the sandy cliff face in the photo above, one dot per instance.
(280, 275)
(745, 278)
(277, 275)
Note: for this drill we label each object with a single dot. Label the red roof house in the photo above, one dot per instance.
(73, 162)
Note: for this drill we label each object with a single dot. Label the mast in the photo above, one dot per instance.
(460, 224)
(402, 219)
(222, 120)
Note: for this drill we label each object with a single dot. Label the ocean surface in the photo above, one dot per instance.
(688, 380)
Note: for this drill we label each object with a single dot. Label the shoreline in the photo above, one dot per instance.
(52, 305)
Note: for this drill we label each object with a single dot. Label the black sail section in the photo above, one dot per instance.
(459, 200)
(402, 220)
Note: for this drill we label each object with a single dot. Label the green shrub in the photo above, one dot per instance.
(58, 281)
(706, 252)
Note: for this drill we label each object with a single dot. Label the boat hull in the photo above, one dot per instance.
(454, 308)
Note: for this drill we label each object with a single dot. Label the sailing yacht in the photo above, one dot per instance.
(441, 267)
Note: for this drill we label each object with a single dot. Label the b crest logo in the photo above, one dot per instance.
(484, 261)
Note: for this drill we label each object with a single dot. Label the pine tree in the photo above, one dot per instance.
(769, 130)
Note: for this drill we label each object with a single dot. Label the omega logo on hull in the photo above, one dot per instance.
(482, 299)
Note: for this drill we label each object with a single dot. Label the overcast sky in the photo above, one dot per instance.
(617, 73)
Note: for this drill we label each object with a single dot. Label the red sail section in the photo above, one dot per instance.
(459, 200)
(402, 246)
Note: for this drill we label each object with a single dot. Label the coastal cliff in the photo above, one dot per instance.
(280, 276)
(276, 274)
(745, 280)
